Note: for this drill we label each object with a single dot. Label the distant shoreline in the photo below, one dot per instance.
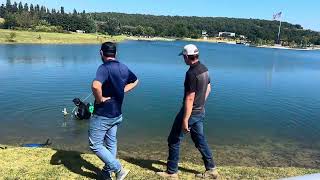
(29, 37)
(136, 38)
(257, 46)
(288, 48)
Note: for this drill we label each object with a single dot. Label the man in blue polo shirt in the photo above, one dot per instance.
(113, 80)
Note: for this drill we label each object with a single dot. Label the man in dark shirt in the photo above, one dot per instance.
(190, 118)
(112, 80)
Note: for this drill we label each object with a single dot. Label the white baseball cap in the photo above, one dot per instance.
(190, 50)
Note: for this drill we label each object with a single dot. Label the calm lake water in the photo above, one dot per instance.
(264, 110)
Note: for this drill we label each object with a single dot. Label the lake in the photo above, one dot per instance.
(264, 109)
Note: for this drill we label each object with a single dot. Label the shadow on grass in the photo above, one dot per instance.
(73, 161)
(147, 164)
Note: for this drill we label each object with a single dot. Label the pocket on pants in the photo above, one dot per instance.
(95, 123)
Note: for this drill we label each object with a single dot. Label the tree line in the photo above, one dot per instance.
(40, 18)
(257, 31)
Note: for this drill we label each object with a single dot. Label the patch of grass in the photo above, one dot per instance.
(46, 163)
(56, 38)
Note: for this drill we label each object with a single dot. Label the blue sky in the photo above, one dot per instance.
(304, 12)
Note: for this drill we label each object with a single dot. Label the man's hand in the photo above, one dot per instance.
(185, 127)
(208, 91)
(103, 99)
(187, 110)
(97, 92)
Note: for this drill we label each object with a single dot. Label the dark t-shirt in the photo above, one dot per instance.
(197, 80)
(114, 76)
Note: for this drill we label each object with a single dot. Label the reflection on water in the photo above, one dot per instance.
(264, 110)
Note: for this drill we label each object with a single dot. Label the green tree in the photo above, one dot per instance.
(43, 11)
(2, 11)
(149, 31)
(180, 30)
(14, 7)
(8, 6)
(110, 26)
(10, 21)
(62, 10)
(25, 7)
(31, 8)
(128, 30)
(75, 12)
(37, 8)
(139, 31)
(20, 7)
(26, 20)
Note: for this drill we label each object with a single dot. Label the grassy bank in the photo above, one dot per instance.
(57, 164)
(54, 38)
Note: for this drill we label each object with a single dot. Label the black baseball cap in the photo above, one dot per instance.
(109, 48)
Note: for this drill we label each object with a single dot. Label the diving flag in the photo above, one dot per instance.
(277, 16)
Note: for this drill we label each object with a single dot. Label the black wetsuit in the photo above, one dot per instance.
(83, 111)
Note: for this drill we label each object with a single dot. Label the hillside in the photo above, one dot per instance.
(182, 26)
(40, 18)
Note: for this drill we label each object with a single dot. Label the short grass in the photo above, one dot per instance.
(43, 163)
(55, 38)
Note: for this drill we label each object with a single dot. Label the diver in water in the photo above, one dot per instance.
(83, 109)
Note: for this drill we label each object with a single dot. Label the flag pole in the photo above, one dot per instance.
(278, 41)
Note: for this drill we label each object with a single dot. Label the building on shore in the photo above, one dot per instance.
(204, 35)
(227, 34)
(80, 31)
(242, 37)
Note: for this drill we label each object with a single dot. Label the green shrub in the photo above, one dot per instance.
(2, 21)
(44, 28)
(11, 37)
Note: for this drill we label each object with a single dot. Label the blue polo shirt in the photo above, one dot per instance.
(114, 76)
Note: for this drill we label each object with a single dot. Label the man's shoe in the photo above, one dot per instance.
(167, 175)
(209, 174)
(122, 174)
(104, 176)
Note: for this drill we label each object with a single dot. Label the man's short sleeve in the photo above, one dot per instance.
(191, 83)
(131, 77)
(102, 74)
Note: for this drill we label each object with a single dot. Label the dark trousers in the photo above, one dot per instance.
(197, 135)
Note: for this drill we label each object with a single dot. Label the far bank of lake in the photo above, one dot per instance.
(30, 37)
